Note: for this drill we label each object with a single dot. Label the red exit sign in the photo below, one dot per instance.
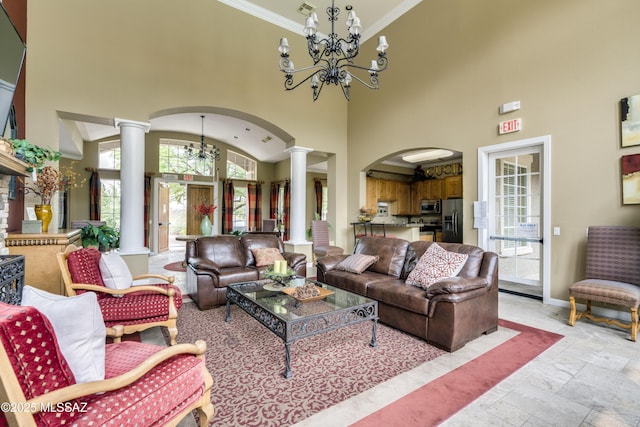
(509, 126)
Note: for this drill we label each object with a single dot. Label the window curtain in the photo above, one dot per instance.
(287, 208)
(95, 192)
(273, 201)
(318, 187)
(147, 208)
(227, 207)
(254, 193)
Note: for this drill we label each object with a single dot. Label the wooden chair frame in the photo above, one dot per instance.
(10, 390)
(170, 323)
(575, 315)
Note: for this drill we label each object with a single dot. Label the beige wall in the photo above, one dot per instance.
(452, 63)
(130, 59)
(569, 62)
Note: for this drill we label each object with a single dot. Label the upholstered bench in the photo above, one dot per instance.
(612, 275)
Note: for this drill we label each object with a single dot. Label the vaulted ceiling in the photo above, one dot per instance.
(234, 129)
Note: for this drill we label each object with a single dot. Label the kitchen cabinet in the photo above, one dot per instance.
(388, 191)
(384, 190)
(453, 187)
(372, 194)
(403, 197)
(435, 189)
(426, 190)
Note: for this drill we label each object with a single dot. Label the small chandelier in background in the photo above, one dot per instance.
(333, 56)
(203, 152)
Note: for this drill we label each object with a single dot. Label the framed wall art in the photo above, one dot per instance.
(631, 179)
(630, 121)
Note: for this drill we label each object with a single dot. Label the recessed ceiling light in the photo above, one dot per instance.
(423, 156)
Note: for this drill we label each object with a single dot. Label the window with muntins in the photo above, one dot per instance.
(240, 208)
(110, 202)
(109, 155)
(515, 189)
(241, 167)
(172, 159)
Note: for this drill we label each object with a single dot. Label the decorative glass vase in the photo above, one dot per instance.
(205, 226)
(44, 213)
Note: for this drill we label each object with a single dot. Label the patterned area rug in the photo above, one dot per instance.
(175, 266)
(247, 361)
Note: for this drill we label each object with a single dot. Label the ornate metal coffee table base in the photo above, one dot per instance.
(291, 329)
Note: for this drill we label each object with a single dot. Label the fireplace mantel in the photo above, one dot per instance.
(9, 165)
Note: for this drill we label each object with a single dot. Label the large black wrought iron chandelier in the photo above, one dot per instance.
(333, 56)
(204, 152)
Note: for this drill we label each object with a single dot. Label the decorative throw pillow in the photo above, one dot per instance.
(357, 263)
(436, 264)
(115, 272)
(79, 327)
(266, 256)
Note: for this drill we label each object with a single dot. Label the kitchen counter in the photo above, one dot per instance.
(410, 232)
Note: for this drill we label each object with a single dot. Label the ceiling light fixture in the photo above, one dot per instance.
(333, 56)
(203, 152)
(424, 156)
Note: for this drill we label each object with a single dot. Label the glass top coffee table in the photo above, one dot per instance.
(292, 319)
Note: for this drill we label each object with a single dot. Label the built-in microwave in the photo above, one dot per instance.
(430, 207)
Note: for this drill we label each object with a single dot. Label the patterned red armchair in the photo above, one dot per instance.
(136, 308)
(144, 384)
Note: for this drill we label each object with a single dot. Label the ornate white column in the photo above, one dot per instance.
(298, 194)
(132, 186)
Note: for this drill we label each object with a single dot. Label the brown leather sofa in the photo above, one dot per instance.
(451, 313)
(217, 261)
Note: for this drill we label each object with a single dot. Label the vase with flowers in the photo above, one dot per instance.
(205, 210)
(48, 181)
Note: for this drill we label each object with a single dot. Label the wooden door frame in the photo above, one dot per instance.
(162, 188)
(154, 227)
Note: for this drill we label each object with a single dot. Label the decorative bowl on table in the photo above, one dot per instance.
(307, 293)
(280, 279)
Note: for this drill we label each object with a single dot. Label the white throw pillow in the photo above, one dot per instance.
(79, 327)
(115, 272)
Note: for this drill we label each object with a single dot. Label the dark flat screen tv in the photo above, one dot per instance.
(12, 50)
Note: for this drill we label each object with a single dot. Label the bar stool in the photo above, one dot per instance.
(359, 230)
(374, 234)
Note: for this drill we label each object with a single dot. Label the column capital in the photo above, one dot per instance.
(298, 149)
(119, 123)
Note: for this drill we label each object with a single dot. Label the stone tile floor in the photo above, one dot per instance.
(589, 378)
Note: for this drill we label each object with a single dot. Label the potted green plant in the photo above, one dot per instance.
(33, 155)
(103, 237)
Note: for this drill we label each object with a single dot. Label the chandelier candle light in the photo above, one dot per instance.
(203, 152)
(333, 56)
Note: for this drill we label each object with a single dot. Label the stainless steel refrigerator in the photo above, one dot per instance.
(452, 220)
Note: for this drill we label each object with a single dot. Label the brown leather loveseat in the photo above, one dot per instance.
(450, 313)
(216, 261)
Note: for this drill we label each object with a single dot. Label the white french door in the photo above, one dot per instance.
(515, 187)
